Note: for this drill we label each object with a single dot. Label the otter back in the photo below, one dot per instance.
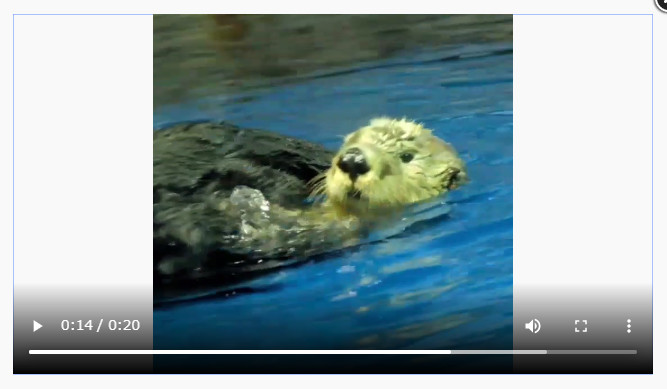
(196, 168)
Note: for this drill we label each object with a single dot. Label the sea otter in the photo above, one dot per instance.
(230, 203)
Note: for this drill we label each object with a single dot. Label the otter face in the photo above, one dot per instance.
(389, 164)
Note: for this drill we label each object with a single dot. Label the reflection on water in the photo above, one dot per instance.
(422, 295)
(443, 279)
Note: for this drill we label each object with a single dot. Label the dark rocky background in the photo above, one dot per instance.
(200, 55)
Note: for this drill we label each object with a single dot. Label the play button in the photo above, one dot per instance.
(35, 326)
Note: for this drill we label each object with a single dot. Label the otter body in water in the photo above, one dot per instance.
(231, 202)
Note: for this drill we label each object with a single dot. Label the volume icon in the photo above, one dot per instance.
(533, 326)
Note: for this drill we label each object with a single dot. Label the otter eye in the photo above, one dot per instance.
(406, 157)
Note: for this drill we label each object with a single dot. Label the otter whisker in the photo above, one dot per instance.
(315, 180)
(316, 192)
(319, 191)
(317, 185)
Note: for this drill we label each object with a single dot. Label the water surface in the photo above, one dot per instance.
(444, 282)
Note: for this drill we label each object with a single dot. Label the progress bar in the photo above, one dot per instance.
(324, 352)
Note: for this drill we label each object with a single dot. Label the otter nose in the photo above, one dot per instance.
(353, 162)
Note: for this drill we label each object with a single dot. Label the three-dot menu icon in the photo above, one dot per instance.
(629, 326)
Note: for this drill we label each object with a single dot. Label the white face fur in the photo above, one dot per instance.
(398, 162)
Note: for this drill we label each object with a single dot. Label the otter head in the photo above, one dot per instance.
(389, 164)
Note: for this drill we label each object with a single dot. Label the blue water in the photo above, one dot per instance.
(444, 283)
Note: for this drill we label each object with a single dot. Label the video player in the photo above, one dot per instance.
(442, 193)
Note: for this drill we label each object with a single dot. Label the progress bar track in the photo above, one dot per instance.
(324, 352)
